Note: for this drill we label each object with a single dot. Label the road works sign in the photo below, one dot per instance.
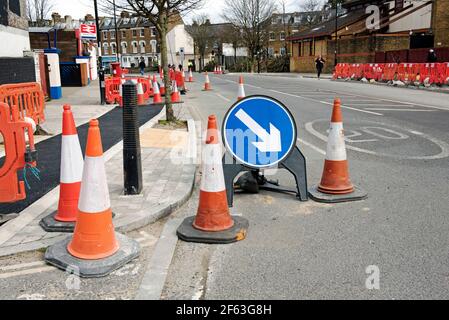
(259, 132)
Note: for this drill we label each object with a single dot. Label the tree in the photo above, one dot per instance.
(160, 13)
(200, 30)
(310, 5)
(38, 10)
(253, 18)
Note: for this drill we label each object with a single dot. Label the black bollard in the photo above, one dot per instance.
(102, 86)
(132, 158)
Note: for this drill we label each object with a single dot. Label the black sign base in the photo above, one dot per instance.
(295, 163)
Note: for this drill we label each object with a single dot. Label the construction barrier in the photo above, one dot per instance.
(18, 156)
(28, 97)
(112, 88)
(409, 73)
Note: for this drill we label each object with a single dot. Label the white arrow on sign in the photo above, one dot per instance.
(271, 142)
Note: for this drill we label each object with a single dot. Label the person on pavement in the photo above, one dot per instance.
(319, 63)
(142, 66)
(432, 57)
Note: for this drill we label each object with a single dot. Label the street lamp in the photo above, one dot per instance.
(336, 32)
(100, 58)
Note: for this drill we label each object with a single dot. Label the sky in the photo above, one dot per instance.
(79, 8)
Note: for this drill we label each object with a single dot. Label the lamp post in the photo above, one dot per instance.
(336, 32)
(100, 58)
(116, 35)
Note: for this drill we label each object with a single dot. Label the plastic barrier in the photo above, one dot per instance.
(112, 88)
(409, 73)
(18, 154)
(28, 97)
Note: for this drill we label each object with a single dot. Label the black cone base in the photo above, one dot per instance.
(358, 195)
(58, 256)
(188, 233)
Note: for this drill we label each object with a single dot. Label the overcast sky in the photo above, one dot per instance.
(79, 8)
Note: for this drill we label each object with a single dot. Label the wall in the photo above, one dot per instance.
(440, 23)
(17, 41)
(66, 42)
(420, 19)
(17, 70)
(179, 38)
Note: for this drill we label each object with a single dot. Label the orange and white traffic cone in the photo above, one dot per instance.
(241, 94)
(157, 99)
(213, 222)
(95, 248)
(191, 76)
(207, 86)
(175, 96)
(71, 173)
(140, 95)
(122, 82)
(336, 185)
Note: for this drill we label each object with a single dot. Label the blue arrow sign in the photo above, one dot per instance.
(259, 132)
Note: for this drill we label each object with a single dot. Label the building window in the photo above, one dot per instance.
(153, 44)
(124, 46)
(271, 52)
(105, 49)
(282, 36)
(112, 48)
(142, 33)
(283, 51)
(14, 6)
(123, 33)
(153, 32)
(134, 33)
(105, 35)
(112, 34)
(311, 48)
(272, 36)
(142, 46)
(134, 45)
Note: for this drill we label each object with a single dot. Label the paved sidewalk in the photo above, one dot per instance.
(169, 168)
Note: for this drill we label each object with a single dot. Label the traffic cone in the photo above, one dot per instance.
(157, 99)
(207, 86)
(140, 95)
(95, 250)
(241, 94)
(71, 172)
(213, 222)
(336, 185)
(162, 88)
(122, 82)
(175, 96)
(191, 76)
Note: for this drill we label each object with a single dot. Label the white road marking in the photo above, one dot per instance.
(320, 151)
(441, 144)
(400, 110)
(223, 97)
(355, 109)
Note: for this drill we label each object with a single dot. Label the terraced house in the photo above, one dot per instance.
(136, 39)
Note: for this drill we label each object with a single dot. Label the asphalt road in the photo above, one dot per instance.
(398, 148)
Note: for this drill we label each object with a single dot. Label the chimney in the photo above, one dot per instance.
(89, 17)
(124, 14)
(68, 21)
(55, 17)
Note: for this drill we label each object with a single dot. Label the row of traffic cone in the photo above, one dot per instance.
(95, 249)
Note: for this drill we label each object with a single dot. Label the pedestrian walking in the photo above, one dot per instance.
(432, 56)
(319, 63)
(142, 66)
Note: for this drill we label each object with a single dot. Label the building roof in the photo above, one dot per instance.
(327, 28)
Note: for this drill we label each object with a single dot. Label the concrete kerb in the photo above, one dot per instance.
(11, 228)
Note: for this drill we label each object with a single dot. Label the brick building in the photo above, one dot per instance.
(136, 39)
(407, 30)
(284, 25)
